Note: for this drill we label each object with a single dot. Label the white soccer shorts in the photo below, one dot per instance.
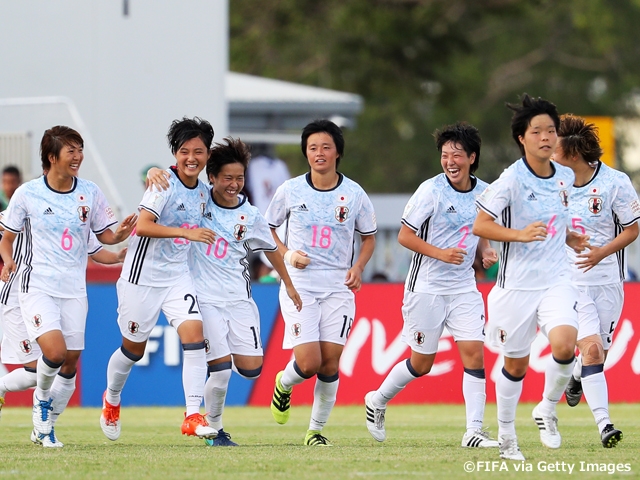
(16, 348)
(607, 302)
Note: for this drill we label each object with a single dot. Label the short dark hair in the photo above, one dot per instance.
(323, 126)
(579, 137)
(523, 113)
(54, 139)
(182, 131)
(12, 170)
(463, 134)
(232, 151)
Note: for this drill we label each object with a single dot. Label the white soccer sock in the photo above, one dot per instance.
(577, 368)
(215, 392)
(291, 377)
(508, 391)
(118, 371)
(61, 391)
(398, 378)
(45, 377)
(556, 379)
(475, 398)
(194, 372)
(324, 398)
(597, 394)
(17, 380)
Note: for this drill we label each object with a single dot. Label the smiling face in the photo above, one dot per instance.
(227, 184)
(456, 164)
(540, 138)
(68, 161)
(322, 153)
(191, 158)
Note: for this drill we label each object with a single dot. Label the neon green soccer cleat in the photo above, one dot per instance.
(315, 439)
(281, 402)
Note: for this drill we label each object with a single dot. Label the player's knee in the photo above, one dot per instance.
(307, 368)
(592, 353)
(249, 373)
(419, 369)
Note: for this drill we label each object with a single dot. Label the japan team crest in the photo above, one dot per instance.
(37, 321)
(419, 337)
(341, 213)
(25, 346)
(83, 213)
(239, 232)
(595, 205)
(296, 329)
(502, 336)
(133, 327)
(207, 346)
(564, 198)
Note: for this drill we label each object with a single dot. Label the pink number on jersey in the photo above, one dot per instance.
(325, 237)
(465, 233)
(184, 241)
(551, 230)
(575, 224)
(67, 240)
(220, 250)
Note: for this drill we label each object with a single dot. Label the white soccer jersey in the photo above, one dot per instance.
(443, 217)
(323, 224)
(601, 209)
(518, 198)
(57, 228)
(221, 270)
(264, 176)
(160, 262)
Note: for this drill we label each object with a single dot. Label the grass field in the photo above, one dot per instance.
(422, 442)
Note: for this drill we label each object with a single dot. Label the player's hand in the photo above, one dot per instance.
(353, 280)
(121, 254)
(297, 258)
(203, 235)
(7, 270)
(489, 257)
(534, 232)
(578, 242)
(586, 261)
(295, 298)
(125, 228)
(158, 178)
(453, 255)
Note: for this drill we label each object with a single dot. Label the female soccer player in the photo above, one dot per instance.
(221, 274)
(440, 289)
(56, 212)
(323, 211)
(604, 205)
(156, 277)
(531, 200)
(17, 349)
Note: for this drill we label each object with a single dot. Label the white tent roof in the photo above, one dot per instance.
(273, 111)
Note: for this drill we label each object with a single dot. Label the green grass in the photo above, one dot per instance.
(422, 442)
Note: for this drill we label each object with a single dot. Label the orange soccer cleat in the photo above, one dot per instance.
(197, 426)
(110, 419)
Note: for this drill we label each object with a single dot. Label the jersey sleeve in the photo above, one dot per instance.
(420, 206)
(366, 219)
(261, 238)
(104, 217)
(625, 204)
(93, 245)
(497, 196)
(15, 215)
(278, 208)
(154, 200)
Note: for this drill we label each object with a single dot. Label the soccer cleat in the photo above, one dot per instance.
(548, 425)
(509, 449)
(222, 440)
(315, 439)
(47, 441)
(1, 404)
(110, 419)
(375, 419)
(41, 416)
(479, 439)
(573, 392)
(281, 402)
(196, 425)
(610, 436)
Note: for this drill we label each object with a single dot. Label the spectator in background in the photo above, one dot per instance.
(11, 180)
